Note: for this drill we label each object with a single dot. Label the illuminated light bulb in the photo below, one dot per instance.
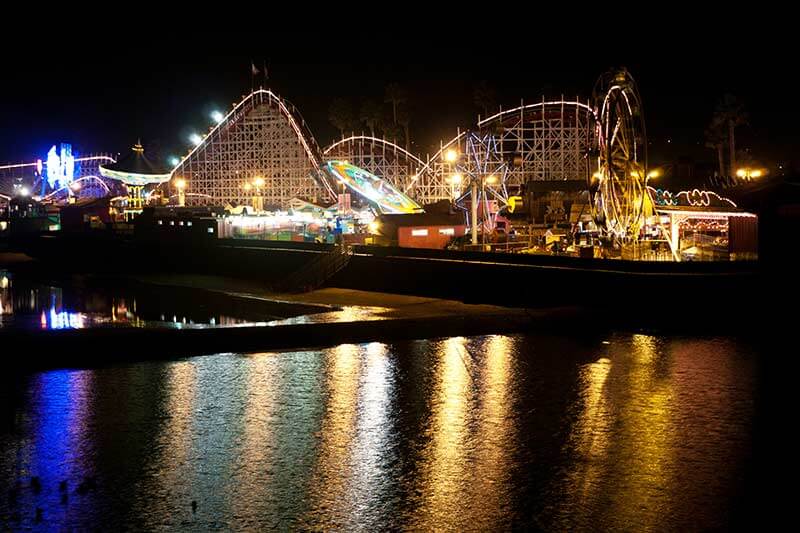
(217, 117)
(450, 156)
(756, 173)
(455, 178)
(195, 139)
(180, 184)
(259, 181)
(491, 179)
(741, 172)
(174, 161)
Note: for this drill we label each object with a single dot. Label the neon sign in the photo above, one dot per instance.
(60, 167)
(693, 198)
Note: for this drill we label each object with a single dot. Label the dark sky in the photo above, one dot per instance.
(103, 98)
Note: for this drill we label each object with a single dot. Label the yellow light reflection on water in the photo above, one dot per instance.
(649, 429)
(254, 461)
(446, 457)
(330, 479)
(629, 396)
(590, 436)
(170, 461)
(495, 433)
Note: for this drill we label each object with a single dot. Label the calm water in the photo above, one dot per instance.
(626, 432)
(85, 302)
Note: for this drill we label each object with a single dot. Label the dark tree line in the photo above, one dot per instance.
(728, 115)
(392, 117)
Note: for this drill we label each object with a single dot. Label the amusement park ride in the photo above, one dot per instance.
(263, 145)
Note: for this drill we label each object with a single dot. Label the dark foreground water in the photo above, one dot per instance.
(625, 432)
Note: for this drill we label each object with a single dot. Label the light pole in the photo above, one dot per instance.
(247, 187)
(474, 210)
(72, 190)
(180, 185)
(258, 200)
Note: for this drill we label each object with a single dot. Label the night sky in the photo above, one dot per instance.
(104, 98)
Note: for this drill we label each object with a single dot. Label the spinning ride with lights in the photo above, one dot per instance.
(484, 188)
(621, 201)
(136, 172)
(381, 194)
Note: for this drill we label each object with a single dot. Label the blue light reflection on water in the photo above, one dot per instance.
(28, 304)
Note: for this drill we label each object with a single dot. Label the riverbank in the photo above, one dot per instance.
(330, 316)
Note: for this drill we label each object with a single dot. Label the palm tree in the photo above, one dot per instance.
(404, 119)
(341, 115)
(371, 114)
(484, 97)
(715, 139)
(392, 132)
(730, 112)
(395, 95)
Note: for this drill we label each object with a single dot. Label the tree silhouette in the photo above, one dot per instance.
(371, 114)
(730, 112)
(715, 139)
(341, 115)
(485, 98)
(395, 95)
(404, 119)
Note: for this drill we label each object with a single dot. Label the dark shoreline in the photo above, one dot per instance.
(677, 304)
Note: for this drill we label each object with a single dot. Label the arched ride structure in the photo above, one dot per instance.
(380, 157)
(82, 188)
(262, 138)
(543, 141)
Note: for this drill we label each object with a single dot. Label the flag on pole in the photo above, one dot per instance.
(266, 72)
(253, 70)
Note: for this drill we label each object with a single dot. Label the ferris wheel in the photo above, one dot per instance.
(620, 183)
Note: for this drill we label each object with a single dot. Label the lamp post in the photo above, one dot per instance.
(247, 187)
(258, 200)
(180, 185)
(491, 179)
(72, 190)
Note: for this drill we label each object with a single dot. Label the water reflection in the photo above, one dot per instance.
(479, 433)
(447, 456)
(168, 471)
(496, 429)
(58, 447)
(636, 439)
(348, 313)
(329, 486)
(31, 304)
(254, 461)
